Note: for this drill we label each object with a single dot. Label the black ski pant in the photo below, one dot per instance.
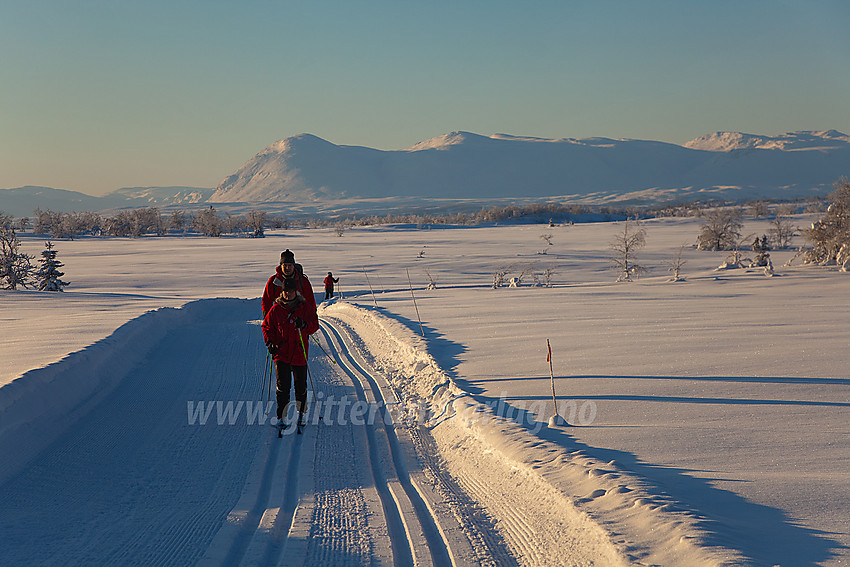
(285, 373)
(329, 293)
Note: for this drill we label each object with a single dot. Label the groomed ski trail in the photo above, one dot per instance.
(347, 493)
(170, 460)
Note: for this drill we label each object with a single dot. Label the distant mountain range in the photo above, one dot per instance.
(306, 172)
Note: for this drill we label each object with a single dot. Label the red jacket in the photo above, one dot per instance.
(274, 287)
(279, 329)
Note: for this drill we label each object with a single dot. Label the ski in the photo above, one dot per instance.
(280, 426)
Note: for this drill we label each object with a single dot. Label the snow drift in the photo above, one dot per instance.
(565, 497)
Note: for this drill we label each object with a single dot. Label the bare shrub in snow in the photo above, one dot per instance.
(432, 281)
(500, 276)
(721, 230)
(257, 223)
(676, 263)
(758, 209)
(781, 231)
(625, 246)
(524, 272)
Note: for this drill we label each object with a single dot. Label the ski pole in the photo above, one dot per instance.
(304, 351)
(265, 371)
(315, 340)
(271, 371)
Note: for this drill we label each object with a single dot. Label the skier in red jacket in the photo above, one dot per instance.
(330, 280)
(286, 330)
(287, 270)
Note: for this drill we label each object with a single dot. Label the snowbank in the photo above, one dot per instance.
(39, 406)
(557, 507)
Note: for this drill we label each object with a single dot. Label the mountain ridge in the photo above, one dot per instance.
(315, 174)
(468, 165)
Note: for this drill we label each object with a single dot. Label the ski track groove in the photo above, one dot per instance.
(484, 533)
(485, 541)
(283, 520)
(340, 533)
(307, 518)
(399, 536)
(517, 529)
(487, 544)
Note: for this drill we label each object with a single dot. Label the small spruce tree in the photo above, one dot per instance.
(48, 275)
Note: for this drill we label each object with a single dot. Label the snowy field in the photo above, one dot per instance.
(710, 416)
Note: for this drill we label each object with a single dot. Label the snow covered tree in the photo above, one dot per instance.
(624, 247)
(208, 223)
(830, 236)
(15, 267)
(177, 221)
(721, 230)
(48, 275)
(761, 248)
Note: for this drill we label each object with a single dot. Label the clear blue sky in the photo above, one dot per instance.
(97, 95)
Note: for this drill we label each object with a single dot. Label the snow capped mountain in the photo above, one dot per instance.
(301, 167)
(308, 173)
(472, 166)
(730, 141)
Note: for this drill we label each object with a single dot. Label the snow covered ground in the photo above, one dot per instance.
(710, 416)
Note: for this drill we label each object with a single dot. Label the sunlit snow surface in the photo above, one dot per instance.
(724, 397)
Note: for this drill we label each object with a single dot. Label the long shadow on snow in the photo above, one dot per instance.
(739, 379)
(766, 535)
(442, 349)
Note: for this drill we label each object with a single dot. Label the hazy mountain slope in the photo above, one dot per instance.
(21, 201)
(161, 196)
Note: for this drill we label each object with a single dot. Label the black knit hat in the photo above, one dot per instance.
(289, 284)
(287, 257)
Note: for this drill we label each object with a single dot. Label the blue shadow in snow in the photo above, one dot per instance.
(445, 351)
(766, 536)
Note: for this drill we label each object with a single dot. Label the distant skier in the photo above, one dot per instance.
(286, 330)
(330, 280)
(287, 270)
